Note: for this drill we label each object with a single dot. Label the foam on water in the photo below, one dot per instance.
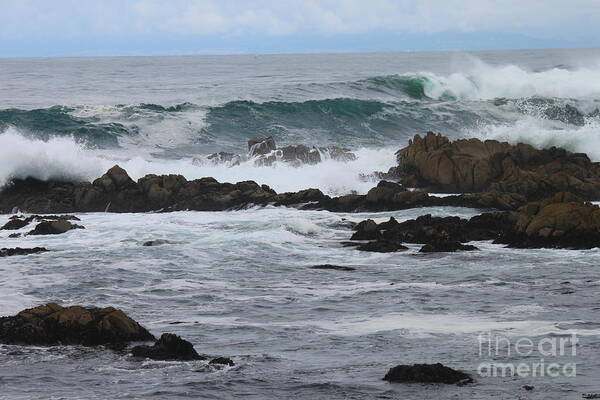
(64, 158)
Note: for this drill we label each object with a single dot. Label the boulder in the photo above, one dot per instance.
(168, 347)
(54, 227)
(382, 246)
(427, 373)
(17, 251)
(51, 324)
(366, 230)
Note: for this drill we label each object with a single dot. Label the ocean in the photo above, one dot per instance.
(239, 283)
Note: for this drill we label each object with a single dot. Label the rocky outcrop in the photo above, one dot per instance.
(54, 227)
(435, 163)
(222, 361)
(17, 251)
(51, 324)
(19, 221)
(427, 373)
(562, 221)
(438, 234)
(168, 347)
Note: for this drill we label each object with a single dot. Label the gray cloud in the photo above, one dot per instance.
(76, 18)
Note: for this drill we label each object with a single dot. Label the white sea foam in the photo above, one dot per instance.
(481, 81)
(64, 158)
(542, 133)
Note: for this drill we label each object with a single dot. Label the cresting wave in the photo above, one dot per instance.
(66, 159)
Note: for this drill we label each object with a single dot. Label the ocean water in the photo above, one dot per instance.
(239, 283)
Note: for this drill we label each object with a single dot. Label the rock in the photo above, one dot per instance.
(14, 224)
(14, 235)
(528, 387)
(334, 267)
(427, 373)
(222, 361)
(382, 246)
(261, 146)
(472, 165)
(562, 221)
(446, 246)
(366, 230)
(156, 242)
(54, 227)
(51, 324)
(17, 251)
(168, 347)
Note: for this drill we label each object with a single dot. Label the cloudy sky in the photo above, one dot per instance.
(151, 27)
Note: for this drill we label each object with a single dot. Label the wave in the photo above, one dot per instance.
(59, 121)
(68, 160)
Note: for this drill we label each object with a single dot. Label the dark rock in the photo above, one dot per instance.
(381, 246)
(472, 165)
(52, 324)
(366, 230)
(14, 235)
(334, 267)
(54, 227)
(446, 246)
(168, 347)
(222, 361)
(426, 373)
(528, 387)
(17, 251)
(261, 146)
(156, 242)
(14, 224)
(562, 221)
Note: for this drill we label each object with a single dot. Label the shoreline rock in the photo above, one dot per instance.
(18, 251)
(52, 324)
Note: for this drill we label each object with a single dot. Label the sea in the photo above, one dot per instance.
(239, 283)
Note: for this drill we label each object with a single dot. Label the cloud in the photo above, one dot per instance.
(76, 18)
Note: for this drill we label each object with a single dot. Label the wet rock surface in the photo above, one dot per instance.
(52, 324)
(168, 347)
(17, 251)
(334, 267)
(427, 373)
(473, 165)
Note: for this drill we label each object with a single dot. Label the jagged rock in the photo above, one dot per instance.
(562, 221)
(366, 230)
(168, 347)
(427, 373)
(54, 227)
(51, 324)
(334, 267)
(472, 165)
(261, 146)
(14, 224)
(20, 221)
(222, 361)
(17, 251)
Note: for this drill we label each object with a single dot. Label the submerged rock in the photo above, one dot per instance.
(168, 347)
(334, 267)
(446, 246)
(426, 373)
(17, 251)
(51, 324)
(222, 361)
(156, 242)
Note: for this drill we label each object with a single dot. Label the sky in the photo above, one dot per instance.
(173, 27)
